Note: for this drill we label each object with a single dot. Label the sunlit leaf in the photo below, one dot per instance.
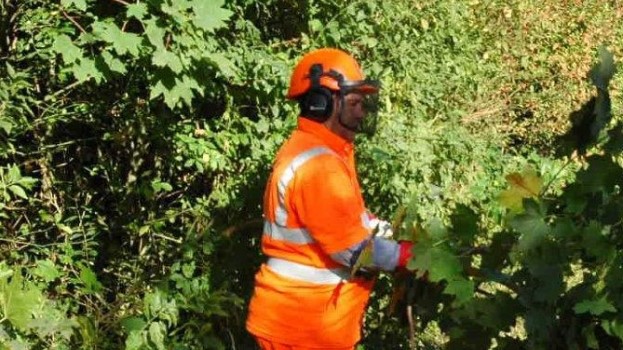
(594, 306)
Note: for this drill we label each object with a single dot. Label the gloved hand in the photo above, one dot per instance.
(406, 253)
(381, 228)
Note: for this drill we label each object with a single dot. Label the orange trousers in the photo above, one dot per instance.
(269, 345)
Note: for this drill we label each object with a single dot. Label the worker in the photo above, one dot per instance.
(316, 223)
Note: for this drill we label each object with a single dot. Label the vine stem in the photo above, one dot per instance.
(551, 181)
(411, 327)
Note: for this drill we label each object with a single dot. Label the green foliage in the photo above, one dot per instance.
(136, 138)
(554, 267)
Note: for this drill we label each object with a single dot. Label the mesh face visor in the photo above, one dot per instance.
(371, 102)
(371, 105)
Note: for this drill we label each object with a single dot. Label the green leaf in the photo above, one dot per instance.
(531, 225)
(86, 69)
(163, 58)
(46, 270)
(209, 15)
(113, 63)
(440, 263)
(613, 328)
(6, 125)
(14, 174)
(89, 279)
(121, 41)
(134, 341)
(79, 4)
(64, 46)
(18, 191)
(133, 324)
(550, 280)
(225, 66)
(465, 224)
(155, 33)
(136, 10)
(595, 242)
(19, 300)
(156, 334)
(595, 306)
(436, 230)
(461, 288)
(181, 90)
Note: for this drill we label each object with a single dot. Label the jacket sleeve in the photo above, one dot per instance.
(329, 204)
(385, 254)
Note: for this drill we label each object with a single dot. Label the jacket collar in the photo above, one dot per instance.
(334, 141)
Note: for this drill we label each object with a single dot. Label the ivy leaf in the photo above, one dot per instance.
(70, 52)
(595, 306)
(79, 4)
(522, 185)
(210, 15)
(137, 10)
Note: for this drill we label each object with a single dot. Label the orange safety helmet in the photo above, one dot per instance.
(339, 72)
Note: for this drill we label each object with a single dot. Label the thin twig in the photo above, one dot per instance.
(551, 181)
(68, 87)
(411, 326)
(73, 21)
(121, 2)
(178, 241)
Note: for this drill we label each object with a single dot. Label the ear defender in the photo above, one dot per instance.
(317, 103)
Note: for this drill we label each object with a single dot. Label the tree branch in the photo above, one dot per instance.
(73, 21)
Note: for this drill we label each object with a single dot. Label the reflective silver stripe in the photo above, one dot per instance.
(292, 235)
(281, 214)
(307, 273)
(365, 220)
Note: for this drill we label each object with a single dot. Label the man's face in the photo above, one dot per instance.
(353, 111)
(348, 119)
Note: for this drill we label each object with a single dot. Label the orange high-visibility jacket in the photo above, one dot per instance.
(312, 208)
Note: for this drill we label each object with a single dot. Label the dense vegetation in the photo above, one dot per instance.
(136, 136)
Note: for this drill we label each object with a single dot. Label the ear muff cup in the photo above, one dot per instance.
(317, 103)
